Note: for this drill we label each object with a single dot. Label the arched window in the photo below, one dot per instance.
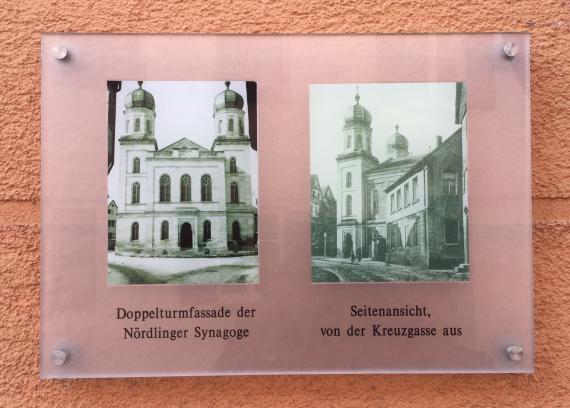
(220, 127)
(241, 130)
(136, 193)
(348, 141)
(233, 166)
(374, 201)
(207, 230)
(135, 231)
(231, 125)
(236, 234)
(147, 127)
(206, 188)
(137, 125)
(164, 230)
(185, 188)
(348, 180)
(136, 165)
(164, 188)
(348, 205)
(234, 193)
(358, 142)
(127, 127)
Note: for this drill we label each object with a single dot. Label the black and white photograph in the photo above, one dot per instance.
(389, 177)
(182, 182)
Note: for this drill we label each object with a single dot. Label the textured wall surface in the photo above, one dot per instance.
(21, 24)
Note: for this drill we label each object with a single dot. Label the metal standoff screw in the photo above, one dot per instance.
(60, 53)
(59, 357)
(515, 353)
(510, 50)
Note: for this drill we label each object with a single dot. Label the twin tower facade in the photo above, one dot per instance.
(184, 199)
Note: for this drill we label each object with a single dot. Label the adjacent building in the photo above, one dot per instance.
(461, 119)
(425, 217)
(184, 199)
(323, 219)
(111, 225)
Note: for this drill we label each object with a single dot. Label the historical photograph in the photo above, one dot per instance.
(182, 182)
(389, 170)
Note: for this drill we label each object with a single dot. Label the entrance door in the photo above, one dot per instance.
(347, 245)
(186, 236)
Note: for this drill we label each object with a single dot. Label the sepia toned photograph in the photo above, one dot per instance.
(182, 182)
(389, 177)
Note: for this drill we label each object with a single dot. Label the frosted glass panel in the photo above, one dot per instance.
(219, 205)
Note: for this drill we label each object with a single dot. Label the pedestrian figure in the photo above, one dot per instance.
(358, 254)
(352, 257)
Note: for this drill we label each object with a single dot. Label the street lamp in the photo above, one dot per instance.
(325, 250)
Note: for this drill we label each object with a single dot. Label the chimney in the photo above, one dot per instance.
(439, 140)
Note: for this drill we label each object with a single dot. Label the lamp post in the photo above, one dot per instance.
(325, 250)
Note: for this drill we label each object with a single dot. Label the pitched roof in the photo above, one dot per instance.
(426, 160)
(183, 143)
(390, 163)
(327, 190)
(315, 182)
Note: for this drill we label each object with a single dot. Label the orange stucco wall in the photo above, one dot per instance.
(22, 22)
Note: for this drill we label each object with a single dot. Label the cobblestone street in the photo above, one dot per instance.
(342, 270)
(125, 270)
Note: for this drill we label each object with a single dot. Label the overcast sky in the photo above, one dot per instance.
(422, 110)
(183, 109)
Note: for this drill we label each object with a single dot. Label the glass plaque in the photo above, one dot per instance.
(233, 204)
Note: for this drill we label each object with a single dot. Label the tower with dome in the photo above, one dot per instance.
(362, 179)
(184, 199)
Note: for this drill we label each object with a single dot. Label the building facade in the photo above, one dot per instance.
(184, 199)
(425, 217)
(370, 190)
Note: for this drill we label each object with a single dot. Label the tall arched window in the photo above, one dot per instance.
(348, 205)
(348, 180)
(374, 201)
(233, 165)
(135, 231)
(136, 165)
(136, 193)
(348, 141)
(241, 130)
(164, 188)
(220, 127)
(207, 230)
(127, 127)
(185, 188)
(206, 183)
(231, 125)
(358, 142)
(137, 125)
(164, 230)
(236, 233)
(234, 193)
(147, 127)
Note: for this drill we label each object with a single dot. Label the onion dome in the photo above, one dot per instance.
(397, 142)
(139, 98)
(228, 99)
(357, 113)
